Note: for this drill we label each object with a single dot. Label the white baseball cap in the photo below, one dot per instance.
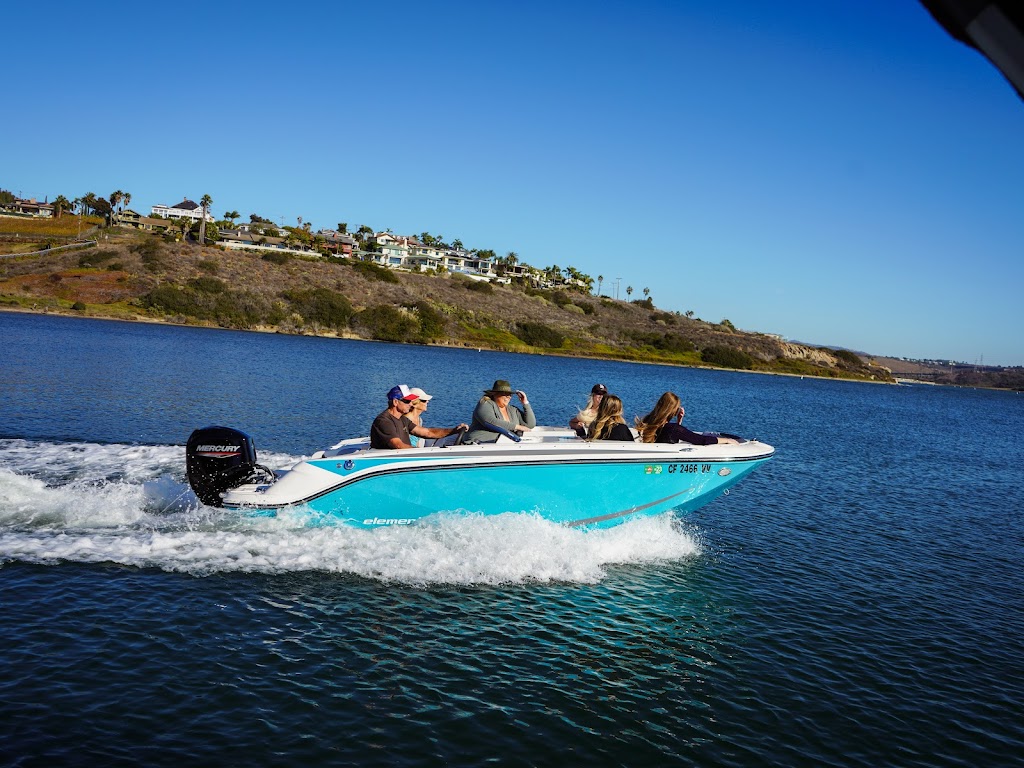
(422, 395)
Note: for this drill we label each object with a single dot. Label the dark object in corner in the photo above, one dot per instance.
(993, 27)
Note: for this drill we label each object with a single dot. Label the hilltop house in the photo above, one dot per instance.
(257, 227)
(407, 252)
(240, 240)
(338, 242)
(130, 218)
(31, 207)
(187, 209)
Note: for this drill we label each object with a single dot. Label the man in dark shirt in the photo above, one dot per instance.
(391, 428)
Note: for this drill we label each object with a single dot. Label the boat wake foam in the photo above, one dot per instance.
(130, 505)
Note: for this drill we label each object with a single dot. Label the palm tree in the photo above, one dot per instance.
(689, 313)
(231, 216)
(629, 290)
(206, 201)
(61, 204)
(126, 198)
(88, 201)
(115, 198)
(600, 279)
(647, 292)
(512, 258)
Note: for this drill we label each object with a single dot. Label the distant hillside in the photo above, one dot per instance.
(955, 374)
(133, 276)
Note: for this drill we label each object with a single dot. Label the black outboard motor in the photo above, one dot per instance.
(218, 459)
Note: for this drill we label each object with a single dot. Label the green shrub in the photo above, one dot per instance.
(374, 271)
(490, 336)
(795, 366)
(148, 246)
(663, 317)
(277, 258)
(586, 306)
(207, 284)
(228, 309)
(321, 305)
(150, 253)
(673, 342)
(78, 306)
(479, 286)
(560, 298)
(387, 323)
(727, 357)
(173, 300)
(116, 266)
(647, 303)
(432, 322)
(614, 305)
(209, 267)
(666, 342)
(847, 356)
(95, 258)
(539, 335)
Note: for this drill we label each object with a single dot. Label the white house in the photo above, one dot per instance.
(188, 209)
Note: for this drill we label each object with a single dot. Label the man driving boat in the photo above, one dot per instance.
(392, 427)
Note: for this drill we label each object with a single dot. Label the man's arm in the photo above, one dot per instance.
(436, 432)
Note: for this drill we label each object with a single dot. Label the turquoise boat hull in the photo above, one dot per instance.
(565, 480)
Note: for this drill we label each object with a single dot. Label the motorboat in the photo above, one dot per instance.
(549, 472)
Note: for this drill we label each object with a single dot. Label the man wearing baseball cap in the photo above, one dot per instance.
(392, 427)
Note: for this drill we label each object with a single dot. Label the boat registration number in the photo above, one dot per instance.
(690, 469)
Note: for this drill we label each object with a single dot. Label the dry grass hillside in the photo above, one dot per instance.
(141, 277)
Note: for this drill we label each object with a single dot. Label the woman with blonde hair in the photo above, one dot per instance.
(609, 424)
(658, 427)
(585, 417)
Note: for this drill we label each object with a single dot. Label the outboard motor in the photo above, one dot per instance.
(218, 459)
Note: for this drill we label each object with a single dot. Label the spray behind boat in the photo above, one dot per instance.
(218, 459)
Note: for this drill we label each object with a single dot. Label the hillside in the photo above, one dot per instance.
(134, 276)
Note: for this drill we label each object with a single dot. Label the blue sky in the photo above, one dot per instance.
(840, 173)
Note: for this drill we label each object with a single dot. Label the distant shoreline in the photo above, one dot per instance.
(353, 337)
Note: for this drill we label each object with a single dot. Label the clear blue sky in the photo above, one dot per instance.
(841, 173)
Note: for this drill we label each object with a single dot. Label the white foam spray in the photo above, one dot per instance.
(91, 503)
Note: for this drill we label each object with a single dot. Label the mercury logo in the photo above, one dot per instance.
(218, 450)
(388, 521)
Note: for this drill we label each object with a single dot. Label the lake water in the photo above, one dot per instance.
(857, 601)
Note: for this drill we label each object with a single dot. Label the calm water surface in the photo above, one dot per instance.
(858, 601)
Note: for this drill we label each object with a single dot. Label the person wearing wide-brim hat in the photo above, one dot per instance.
(495, 412)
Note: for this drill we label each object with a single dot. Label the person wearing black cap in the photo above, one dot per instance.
(392, 427)
(583, 419)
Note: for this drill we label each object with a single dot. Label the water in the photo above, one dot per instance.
(857, 601)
